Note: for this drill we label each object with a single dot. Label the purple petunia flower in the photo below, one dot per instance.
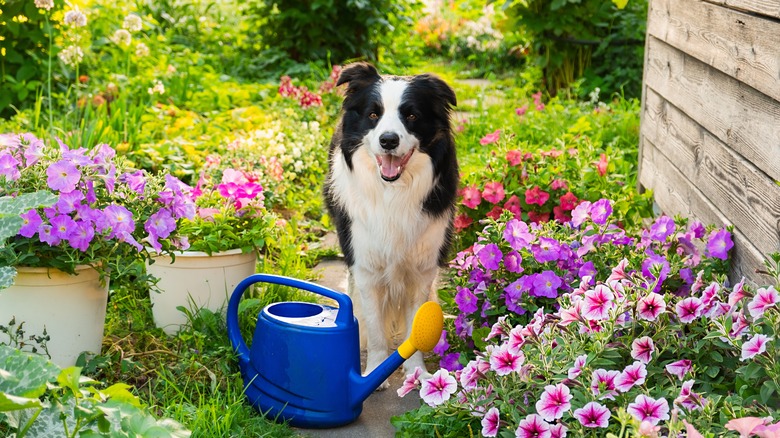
(490, 256)
(119, 219)
(9, 166)
(648, 409)
(136, 181)
(34, 151)
(63, 176)
(31, 223)
(587, 269)
(517, 234)
(600, 211)
(442, 346)
(662, 228)
(547, 250)
(513, 262)
(719, 244)
(61, 226)
(466, 300)
(159, 225)
(546, 284)
(450, 362)
(46, 236)
(463, 326)
(656, 268)
(68, 202)
(580, 213)
(81, 236)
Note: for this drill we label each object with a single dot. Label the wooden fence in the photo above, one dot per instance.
(710, 132)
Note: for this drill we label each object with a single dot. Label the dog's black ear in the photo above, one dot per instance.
(358, 75)
(436, 86)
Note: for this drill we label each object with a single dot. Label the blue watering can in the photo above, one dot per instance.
(304, 364)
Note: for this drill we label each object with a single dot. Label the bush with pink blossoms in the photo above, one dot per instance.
(643, 333)
(102, 212)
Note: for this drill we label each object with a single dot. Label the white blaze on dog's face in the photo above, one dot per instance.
(391, 143)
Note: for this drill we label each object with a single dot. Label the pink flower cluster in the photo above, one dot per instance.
(305, 97)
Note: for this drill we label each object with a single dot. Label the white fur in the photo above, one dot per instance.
(394, 242)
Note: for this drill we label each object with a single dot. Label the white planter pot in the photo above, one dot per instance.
(196, 280)
(72, 308)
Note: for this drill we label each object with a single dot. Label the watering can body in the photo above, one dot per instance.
(304, 363)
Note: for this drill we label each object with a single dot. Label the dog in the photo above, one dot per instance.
(390, 190)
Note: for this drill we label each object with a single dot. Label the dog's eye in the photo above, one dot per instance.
(373, 116)
(411, 117)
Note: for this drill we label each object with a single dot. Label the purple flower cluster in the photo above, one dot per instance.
(94, 204)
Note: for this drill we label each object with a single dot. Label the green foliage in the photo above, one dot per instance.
(596, 38)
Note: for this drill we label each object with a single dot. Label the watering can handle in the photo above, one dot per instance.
(343, 318)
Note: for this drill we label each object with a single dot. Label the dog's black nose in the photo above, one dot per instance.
(389, 140)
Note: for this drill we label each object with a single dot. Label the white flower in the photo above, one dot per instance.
(44, 4)
(132, 23)
(141, 50)
(71, 55)
(158, 88)
(122, 37)
(75, 18)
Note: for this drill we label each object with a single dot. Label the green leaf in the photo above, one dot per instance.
(24, 374)
(10, 402)
(7, 276)
(620, 3)
(69, 378)
(20, 204)
(766, 391)
(479, 335)
(119, 392)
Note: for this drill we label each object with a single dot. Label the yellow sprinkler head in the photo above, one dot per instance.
(426, 330)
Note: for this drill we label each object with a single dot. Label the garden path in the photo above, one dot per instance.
(374, 422)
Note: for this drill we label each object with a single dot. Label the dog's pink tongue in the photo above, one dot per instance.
(390, 166)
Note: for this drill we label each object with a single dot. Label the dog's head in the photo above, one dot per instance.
(395, 117)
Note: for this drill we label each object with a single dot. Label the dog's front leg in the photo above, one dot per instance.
(373, 320)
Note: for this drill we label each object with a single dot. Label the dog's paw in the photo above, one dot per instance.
(383, 386)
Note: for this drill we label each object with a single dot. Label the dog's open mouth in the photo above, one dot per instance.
(391, 167)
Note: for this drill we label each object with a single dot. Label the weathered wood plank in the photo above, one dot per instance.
(742, 193)
(770, 8)
(738, 115)
(675, 195)
(741, 45)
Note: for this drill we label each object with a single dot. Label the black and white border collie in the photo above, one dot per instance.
(390, 191)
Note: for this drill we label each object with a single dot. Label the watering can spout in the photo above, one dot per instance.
(426, 331)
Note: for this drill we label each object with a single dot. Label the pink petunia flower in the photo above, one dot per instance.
(554, 401)
(576, 370)
(737, 293)
(571, 314)
(689, 309)
(753, 346)
(411, 382)
(503, 362)
(533, 426)
(598, 302)
(619, 272)
(494, 192)
(691, 431)
(764, 299)
(648, 409)
(438, 388)
(536, 195)
(580, 213)
(679, 368)
(469, 375)
(558, 431)
(632, 375)
(462, 222)
(689, 399)
(593, 415)
(601, 166)
(745, 425)
(649, 307)
(603, 383)
(490, 138)
(497, 329)
(63, 176)
(516, 340)
(642, 349)
(490, 422)
(471, 196)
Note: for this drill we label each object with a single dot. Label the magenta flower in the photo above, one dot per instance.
(442, 346)
(649, 307)
(516, 340)
(471, 196)
(411, 382)
(490, 138)
(31, 221)
(689, 309)
(598, 302)
(490, 422)
(642, 349)
(737, 293)
(536, 195)
(600, 211)
(466, 300)
(494, 192)
(558, 431)
(656, 267)
(662, 228)
(438, 388)
(554, 401)
(753, 346)
(648, 409)
(520, 111)
(764, 299)
(503, 361)
(517, 234)
(9, 166)
(34, 151)
(159, 225)
(533, 426)
(571, 314)
(63, 176)
(719, 244)
(632, 375)
(546, 284)
(136, 181)
(513, 262)
(580, 213)
(593, 415)
(603, 382)
(689, 399)
(679, 368)
(576, 370)
(490, 256)
(470, 375)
